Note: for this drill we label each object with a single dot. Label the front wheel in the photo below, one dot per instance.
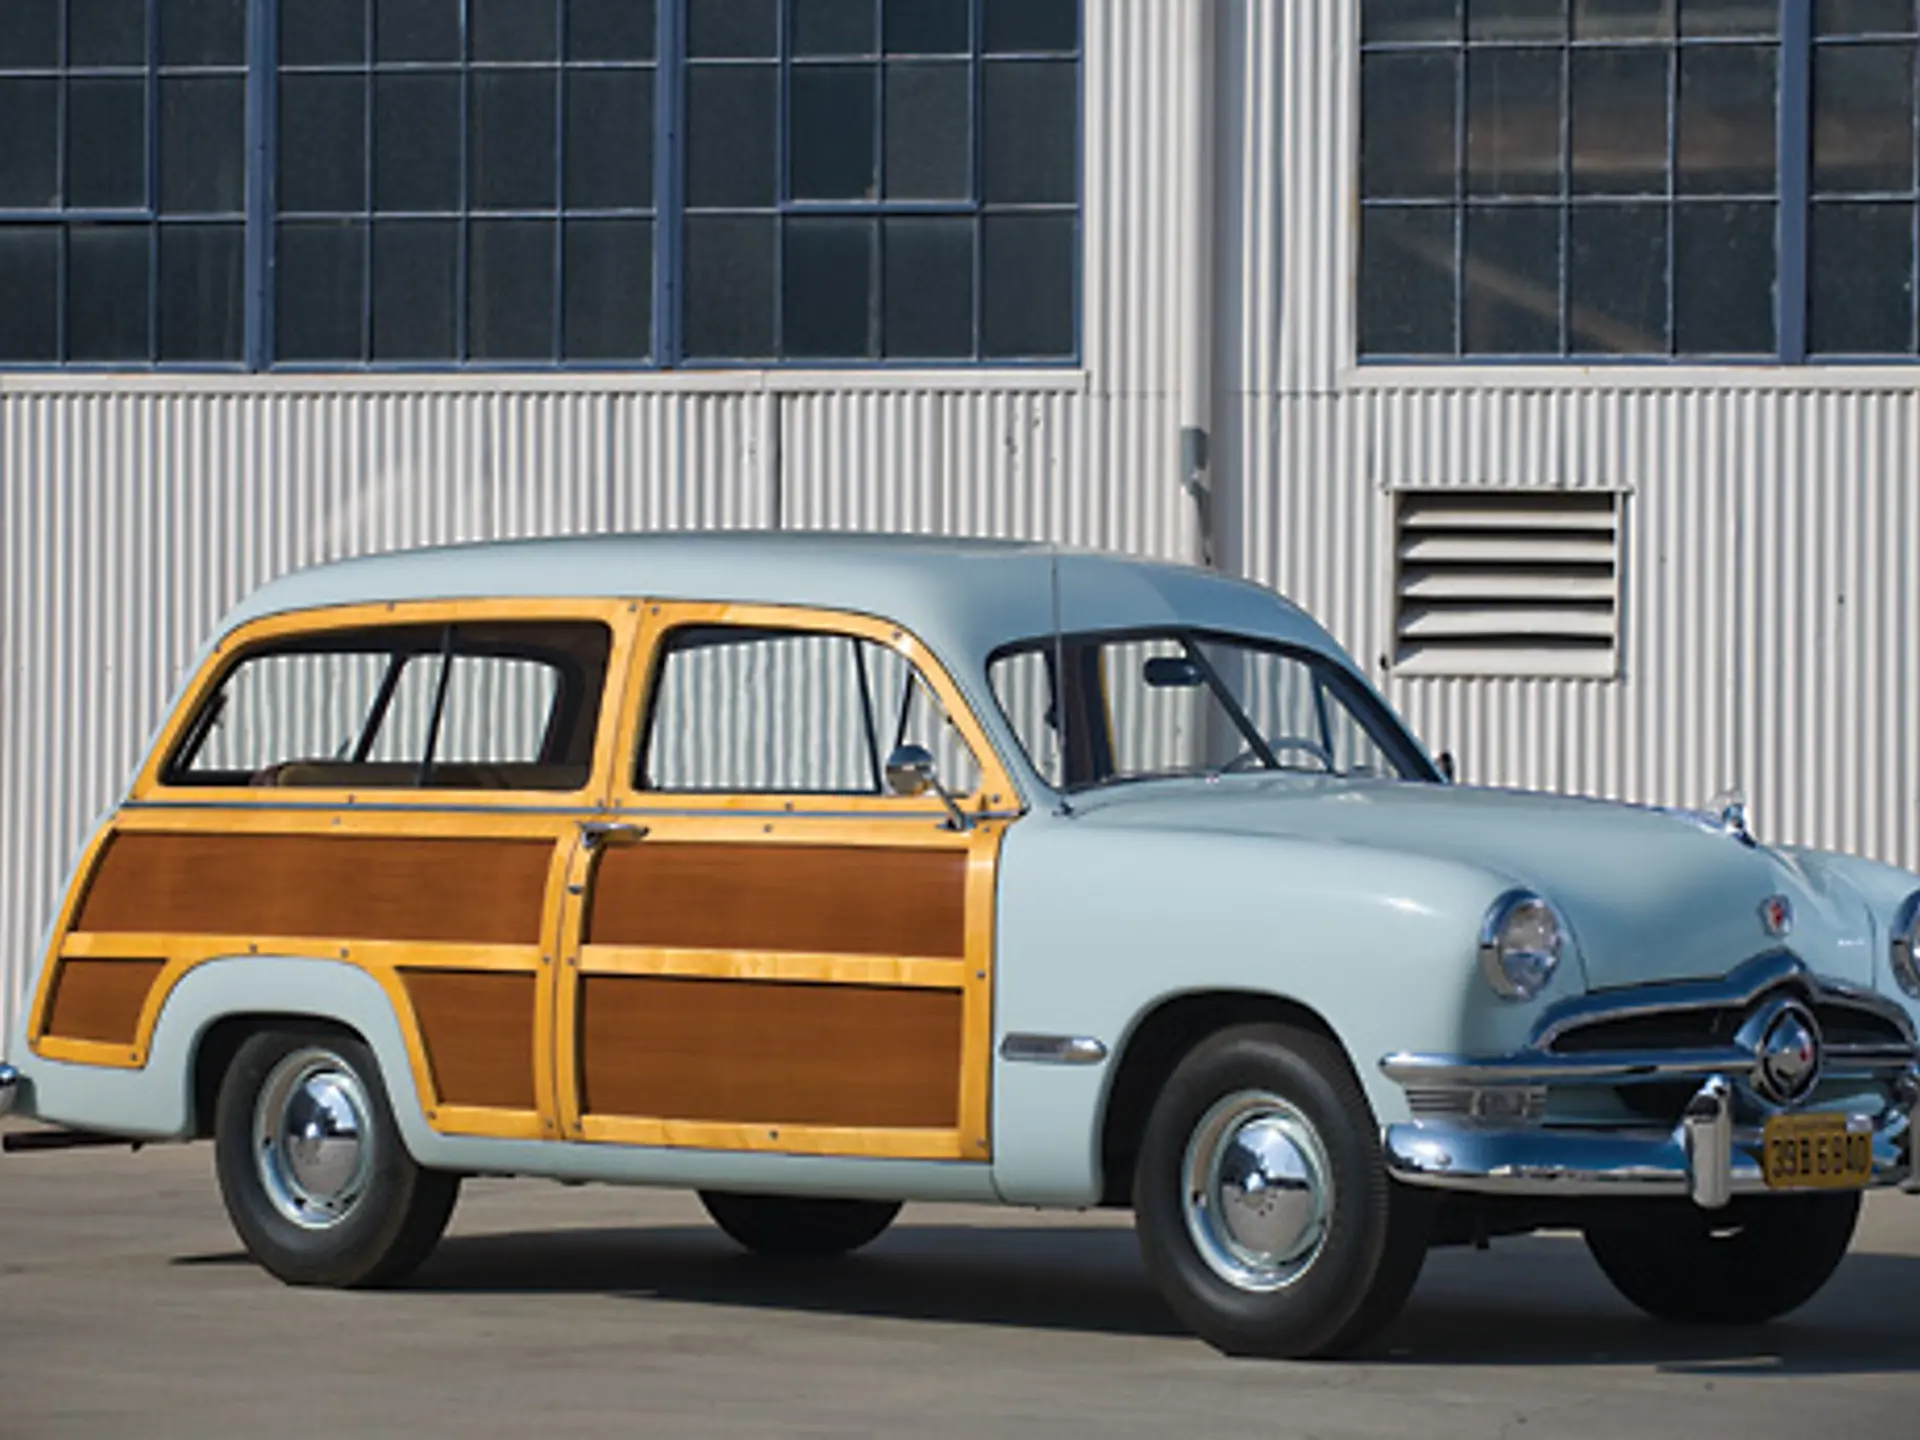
(318, 1185)
(1769, 1255)
(1262, 1201)
(796, 1226)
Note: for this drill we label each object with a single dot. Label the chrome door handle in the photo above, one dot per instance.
(596, 833)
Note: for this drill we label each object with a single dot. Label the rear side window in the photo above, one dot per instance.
(792, 712)
(509, 706)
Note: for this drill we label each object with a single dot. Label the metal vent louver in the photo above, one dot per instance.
(1506, 582)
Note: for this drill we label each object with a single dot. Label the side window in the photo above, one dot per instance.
(492, 707)
(790, 712)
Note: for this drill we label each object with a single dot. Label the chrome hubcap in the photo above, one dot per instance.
(310, 1138)
(1257, 1190)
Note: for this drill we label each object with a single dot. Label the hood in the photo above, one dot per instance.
(1650, 895)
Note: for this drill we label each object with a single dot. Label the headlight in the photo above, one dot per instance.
(1520, 945)
(1906, 946)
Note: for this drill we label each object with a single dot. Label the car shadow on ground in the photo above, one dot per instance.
(1533, 1301)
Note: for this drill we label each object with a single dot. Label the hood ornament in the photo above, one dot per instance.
(1728, 810)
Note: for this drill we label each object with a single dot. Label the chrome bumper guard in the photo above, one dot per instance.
(12, 1082)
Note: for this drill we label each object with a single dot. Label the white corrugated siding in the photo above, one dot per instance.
(1770, 615)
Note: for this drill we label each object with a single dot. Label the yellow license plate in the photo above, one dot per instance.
(1818, 1152)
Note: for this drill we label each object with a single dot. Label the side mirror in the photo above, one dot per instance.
(1445, 762)
(910, 770)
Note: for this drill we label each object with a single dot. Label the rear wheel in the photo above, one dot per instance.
(1262, 1202)
(793, 1226)
(1769, 1255)
(316, 1180)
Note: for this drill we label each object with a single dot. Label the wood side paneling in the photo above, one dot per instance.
(100, 999)
(770, 1053)
(820, 898)
(478, 1030)
(329, 886)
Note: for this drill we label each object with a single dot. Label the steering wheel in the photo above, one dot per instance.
(1249, 758)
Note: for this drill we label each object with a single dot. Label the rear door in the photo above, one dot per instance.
(777, 951)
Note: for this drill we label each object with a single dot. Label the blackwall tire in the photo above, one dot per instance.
(1262, 1202)
(798, 1227)
(316, 1180)
(1764, 1258)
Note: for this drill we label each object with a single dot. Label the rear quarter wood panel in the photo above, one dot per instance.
(100, 999)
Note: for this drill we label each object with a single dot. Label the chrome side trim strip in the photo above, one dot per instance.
(1053, 1049)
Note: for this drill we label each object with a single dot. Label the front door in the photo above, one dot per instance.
(777, 949)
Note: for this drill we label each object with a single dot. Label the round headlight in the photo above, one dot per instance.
(1906, 946)
(1520, 945)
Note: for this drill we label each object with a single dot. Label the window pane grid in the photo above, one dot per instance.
(1564, 148)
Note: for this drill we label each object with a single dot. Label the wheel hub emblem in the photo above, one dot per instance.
(1789, 1054)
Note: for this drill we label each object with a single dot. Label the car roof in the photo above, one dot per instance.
(963, 597)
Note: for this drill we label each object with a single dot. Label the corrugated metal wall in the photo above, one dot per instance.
(1771, 632)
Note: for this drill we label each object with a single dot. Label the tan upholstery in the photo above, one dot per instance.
(397, 775)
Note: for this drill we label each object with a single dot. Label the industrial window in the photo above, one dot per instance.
(427, 183)
(1643, 178)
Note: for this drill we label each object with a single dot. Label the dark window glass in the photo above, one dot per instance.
(1403, 21)
(203, 32)
(513, 30)
(1617, 280)
(833, 27)
(1516, 19)
(831, 134)
(30, 35)
(201, 292)
(1407, 125)
(1727, 108)
(1619, 122)
(510, 290)
(323, 32)
(319, 284)
(1019, 26)
(107, 292)
(1861, 280)
(1623, 19)
(30, 151)
(828, 285)
(416, 29)
(512, 141)
(1027, 280)
(733, 29)
(1407, 282)
(611, 29)
(1513, 122)
(107, 32)
(322, 142)
(610, 138)
(609, 279)
(29, 293)
(1863, 17)
(729, 287)
(928, 289)
(929, 131)
(730, 135)
(203, 136)
(1729, 17)
(1511, 303)
(1031, 142)
(416, 275)
(927, 27)
(1723, 279)
(106, 143)
(1863, 117)
(416, 142)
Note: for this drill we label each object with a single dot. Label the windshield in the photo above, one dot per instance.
(1165, 703)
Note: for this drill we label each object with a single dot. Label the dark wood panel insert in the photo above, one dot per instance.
(770, 1052)
(100, 999)
(482, 892)
(835, 899)
(478, 1029)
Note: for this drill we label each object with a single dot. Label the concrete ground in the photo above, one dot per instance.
(126, 1308)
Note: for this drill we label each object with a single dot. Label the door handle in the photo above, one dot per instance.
(597, 833)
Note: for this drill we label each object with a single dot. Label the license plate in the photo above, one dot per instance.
(1818, 1152)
